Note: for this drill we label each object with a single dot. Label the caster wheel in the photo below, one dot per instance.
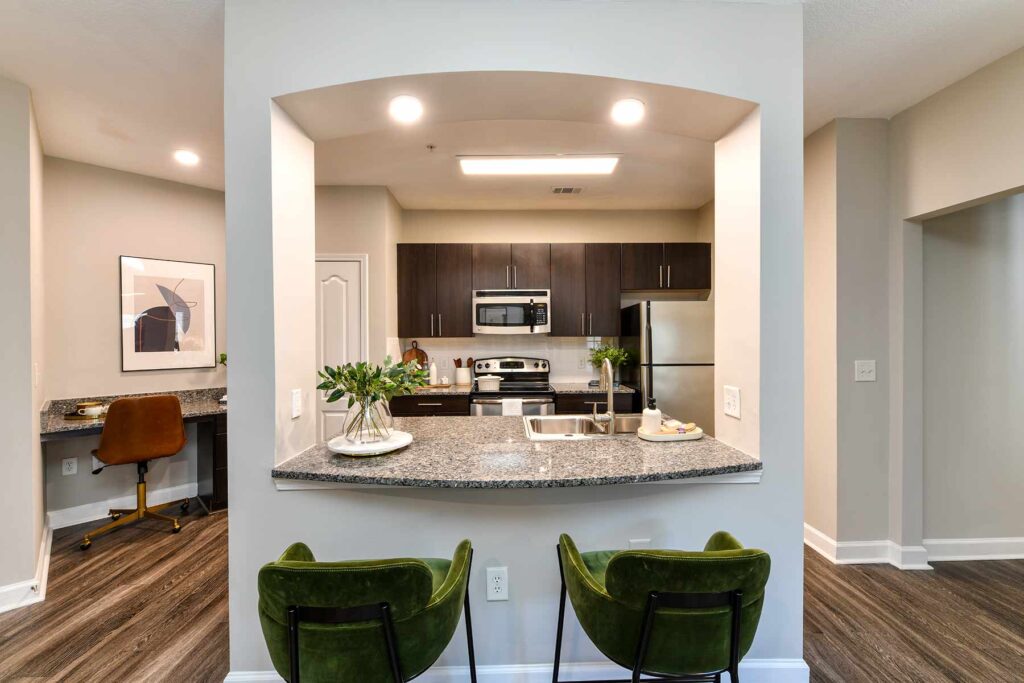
(85, 545)
(116, 516)
(185, 506)
(176, 529)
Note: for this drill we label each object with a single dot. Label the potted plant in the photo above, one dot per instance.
(616, 354)
(369, 388)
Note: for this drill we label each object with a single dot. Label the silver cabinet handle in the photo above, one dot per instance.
(515, 277)
(439, 332)
(661, 283)
(508, 281)
(669, 281)
(431, 324)
(591, 316)
(429, 404)
(496, 401)
(583, 324)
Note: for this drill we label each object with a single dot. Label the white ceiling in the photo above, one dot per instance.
(667, 162)
(875, 58)
(122, 83)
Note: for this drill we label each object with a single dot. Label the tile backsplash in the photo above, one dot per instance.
(566, 354)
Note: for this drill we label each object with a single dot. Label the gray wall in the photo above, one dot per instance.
(974, 372)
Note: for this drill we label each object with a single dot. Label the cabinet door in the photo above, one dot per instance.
(417, 290)
(640, 266)
(454, 290)
(492, 266)
(568, 290)
(603, 290)
(531, 266)
(688, 265)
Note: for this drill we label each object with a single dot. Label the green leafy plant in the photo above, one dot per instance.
(368, 383)
(617, 355)
(223, 360)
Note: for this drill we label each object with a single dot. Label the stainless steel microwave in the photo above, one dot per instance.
(512, 311)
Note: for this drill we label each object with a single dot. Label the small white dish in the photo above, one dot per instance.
(340, 444)
(697, 433)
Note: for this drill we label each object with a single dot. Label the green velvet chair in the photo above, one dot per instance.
(677, 615)
(362, 621)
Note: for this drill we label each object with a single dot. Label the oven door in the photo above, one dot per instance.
(480, 407)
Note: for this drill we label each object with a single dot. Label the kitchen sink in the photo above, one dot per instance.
(570, 427)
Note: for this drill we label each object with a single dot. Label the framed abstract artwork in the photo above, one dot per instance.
(168, 314)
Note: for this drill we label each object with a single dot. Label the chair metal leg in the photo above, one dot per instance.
(293, 644)
(561, 618)
(469, 625)
(645, 636)
(173, 521)
(389, 642)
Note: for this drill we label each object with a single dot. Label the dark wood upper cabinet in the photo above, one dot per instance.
(568, 290)
(643, 266)
(688, 265)
(417, 290)
(454, 290)
(492, 266)
(603, 290)
(531, 266)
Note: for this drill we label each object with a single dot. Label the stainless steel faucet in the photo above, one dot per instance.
(608, 418)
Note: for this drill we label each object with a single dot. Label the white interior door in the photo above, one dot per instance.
(340, 330)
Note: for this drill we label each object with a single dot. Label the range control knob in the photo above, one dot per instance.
(543, 365)
(488, 365)
(536, 365)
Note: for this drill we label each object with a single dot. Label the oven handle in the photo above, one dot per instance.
(495, 401)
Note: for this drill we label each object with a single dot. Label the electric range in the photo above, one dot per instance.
(521, 378)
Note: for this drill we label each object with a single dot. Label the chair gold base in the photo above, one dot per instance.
(121, 517)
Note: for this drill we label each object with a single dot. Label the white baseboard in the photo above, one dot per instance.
(865, 552)
(25, 593)
(90, 512)
(966, 549)
(753, 671)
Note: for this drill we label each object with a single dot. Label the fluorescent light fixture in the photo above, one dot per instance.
(186, 157)
(628, 112)
(405, 109)
(539, 165)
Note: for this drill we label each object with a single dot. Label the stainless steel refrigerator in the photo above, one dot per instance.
(675, 344)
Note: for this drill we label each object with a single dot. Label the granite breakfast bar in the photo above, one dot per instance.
(495, 453)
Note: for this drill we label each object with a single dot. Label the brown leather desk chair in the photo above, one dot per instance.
(138, 430)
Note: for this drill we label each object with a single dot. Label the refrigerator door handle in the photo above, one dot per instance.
(669, 280)
(661, 283)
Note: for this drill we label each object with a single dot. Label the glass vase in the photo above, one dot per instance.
(368, 422)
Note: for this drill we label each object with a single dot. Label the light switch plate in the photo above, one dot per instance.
(731, 401)
(864, 371)
(296, 403)
(639, 543)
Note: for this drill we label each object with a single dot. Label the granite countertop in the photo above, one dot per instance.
(194, 403)
(494, 452)
(453, 390)
(584, 388)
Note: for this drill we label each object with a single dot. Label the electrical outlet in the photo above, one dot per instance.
(443, 364)
(296, 403)
(639, 543)
(581, 364)
(497, 583)
(863, 371)
(69, 466)
(731, 396)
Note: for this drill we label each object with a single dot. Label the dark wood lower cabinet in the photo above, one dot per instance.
(419, 406)
(570, 404)
(212, 462)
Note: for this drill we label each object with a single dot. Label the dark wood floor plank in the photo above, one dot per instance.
(140, 605)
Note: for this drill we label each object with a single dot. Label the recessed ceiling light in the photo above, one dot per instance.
(405, 109)
(628, 112)
(539, 165)
(186, 157)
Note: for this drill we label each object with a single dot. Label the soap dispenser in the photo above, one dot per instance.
(651, 422)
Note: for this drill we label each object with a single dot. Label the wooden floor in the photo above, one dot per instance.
(141, 605)
(963, 621)
(145, 605)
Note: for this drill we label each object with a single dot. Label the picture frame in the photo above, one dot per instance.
(168, 314)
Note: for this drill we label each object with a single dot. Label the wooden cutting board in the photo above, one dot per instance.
(415, 353)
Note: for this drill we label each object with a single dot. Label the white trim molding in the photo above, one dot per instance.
(24, 593)
(865, 552)
(753, 671)
(964, 549)
(90, 512)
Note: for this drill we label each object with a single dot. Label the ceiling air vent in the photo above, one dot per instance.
(566, 190)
